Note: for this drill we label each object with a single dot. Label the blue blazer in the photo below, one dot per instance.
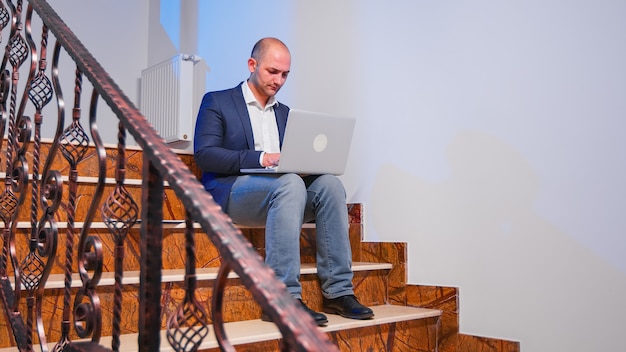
(223, 141)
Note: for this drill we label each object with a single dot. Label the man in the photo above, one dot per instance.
(243, 127)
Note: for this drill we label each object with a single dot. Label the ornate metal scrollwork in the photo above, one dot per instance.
(73, 143)
(120, 213)
(187, 326)
(16, 177)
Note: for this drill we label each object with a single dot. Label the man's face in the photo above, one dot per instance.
(270, 72)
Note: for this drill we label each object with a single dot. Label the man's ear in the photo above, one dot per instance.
(252, 65)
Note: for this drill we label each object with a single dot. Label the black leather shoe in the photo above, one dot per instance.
(348, 307)
(319, 318)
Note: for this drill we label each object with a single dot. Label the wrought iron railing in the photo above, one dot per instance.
(36, 180)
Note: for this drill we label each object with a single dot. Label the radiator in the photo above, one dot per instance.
(167, 97)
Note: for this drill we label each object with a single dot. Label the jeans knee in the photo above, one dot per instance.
(292, 186)
(331, 185)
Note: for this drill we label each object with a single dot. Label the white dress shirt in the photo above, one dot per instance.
(263, 120)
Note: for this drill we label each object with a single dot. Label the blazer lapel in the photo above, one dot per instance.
(281, 121)
(242, 112)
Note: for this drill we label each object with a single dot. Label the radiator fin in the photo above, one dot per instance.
(167, 98)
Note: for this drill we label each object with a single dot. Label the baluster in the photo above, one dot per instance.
(73, 143)
(16, 169)
(87, 308)
(5, 85)
(151, 257)
(50, 200)
(187, 326)
(120, 213)
(40, 94)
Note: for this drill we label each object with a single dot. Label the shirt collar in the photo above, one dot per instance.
(249, 97)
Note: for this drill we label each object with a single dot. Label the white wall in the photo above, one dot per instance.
(503, 164)
(115, 32)
(488, 138)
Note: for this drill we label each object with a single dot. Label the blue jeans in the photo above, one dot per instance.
(282, 203)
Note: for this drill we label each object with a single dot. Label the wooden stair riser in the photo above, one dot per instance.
(174, 254)
(89, 164)
(307, 242)
(173, 209)
(445, 299)
(238, 303)
(407, 336)
(396, 254)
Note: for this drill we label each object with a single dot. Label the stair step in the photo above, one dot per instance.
(178, 275)
(167, 224)
(95, 180)
(251, 331)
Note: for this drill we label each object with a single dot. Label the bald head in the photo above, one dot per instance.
(261, 47)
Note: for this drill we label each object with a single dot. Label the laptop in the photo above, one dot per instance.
(314, 144)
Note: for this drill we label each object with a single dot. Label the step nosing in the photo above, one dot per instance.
(56, 281)
(95, 179)
(167, 224)
(252, 331)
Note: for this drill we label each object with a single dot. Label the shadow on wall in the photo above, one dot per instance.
(520, 278)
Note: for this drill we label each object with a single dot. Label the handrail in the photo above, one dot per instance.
(162, 164)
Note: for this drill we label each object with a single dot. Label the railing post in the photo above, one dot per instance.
(151, 258)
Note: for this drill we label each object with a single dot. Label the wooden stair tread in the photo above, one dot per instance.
(251, 331)
(95, 180)
(178, 275)
(167, 224)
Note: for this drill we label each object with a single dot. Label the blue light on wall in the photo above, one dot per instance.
(170, 20)
(227, 30)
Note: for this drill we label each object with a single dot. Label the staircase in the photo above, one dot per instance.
(379, 280)
(119, 248)
(408, 317)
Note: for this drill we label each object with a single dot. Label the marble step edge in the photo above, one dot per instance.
(94, 180)
(251, 331)
(91, 144)
(167, 224)
(56, 281)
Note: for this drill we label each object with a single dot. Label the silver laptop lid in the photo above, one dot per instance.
(314, 144)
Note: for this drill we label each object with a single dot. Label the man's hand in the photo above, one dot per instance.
(271, 159)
